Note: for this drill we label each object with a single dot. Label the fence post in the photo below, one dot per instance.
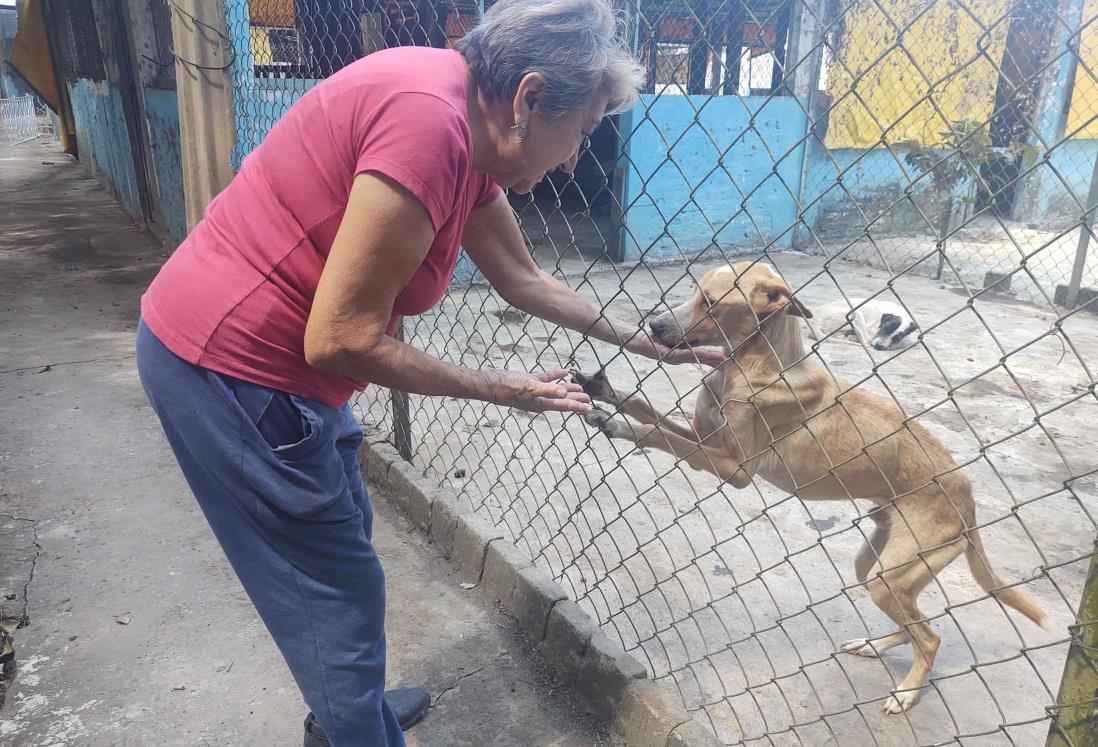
(1075, 715)
(402, 418)
(800, 79)
(1084, 240)
(616, 248)
(204, 85)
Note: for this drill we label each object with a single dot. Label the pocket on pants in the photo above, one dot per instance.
(293, 462)
(290, 427)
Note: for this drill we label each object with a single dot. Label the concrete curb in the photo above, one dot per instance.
(606, 679)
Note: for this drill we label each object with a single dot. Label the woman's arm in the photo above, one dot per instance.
(494, 242)
(383, 237)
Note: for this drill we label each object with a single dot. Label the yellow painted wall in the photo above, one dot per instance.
(943, 40)
(1084, 97)
(261, 46)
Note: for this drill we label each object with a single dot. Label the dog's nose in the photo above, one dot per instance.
(657, 331)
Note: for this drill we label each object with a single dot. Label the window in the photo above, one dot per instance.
(739, 50)
(82, 55)
(315, 38)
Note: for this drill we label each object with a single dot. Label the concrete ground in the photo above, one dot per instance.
(984, 245)
(738, 600)
(138, 633)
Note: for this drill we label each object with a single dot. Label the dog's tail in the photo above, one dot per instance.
(990, 582)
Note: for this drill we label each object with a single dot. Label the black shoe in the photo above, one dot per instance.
(410, 704)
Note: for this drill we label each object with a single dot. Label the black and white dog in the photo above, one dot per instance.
(883, 324)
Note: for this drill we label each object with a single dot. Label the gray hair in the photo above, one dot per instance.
(575, 44)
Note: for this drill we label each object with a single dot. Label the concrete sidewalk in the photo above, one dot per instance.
(139, 634)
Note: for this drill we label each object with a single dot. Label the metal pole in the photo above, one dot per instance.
(616, 245)
(402, 420)
(805, 42)
(1075, 715)
(943, 237)
(1084, 240)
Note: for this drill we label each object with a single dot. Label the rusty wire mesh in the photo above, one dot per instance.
(937, 154)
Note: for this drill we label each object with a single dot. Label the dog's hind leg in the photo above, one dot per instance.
(868, 556)
(907, 570)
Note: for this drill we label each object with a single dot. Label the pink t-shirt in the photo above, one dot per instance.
(235, 296)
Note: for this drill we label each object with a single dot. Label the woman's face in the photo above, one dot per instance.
(550, 142)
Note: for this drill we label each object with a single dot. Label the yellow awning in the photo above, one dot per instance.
(30, 56)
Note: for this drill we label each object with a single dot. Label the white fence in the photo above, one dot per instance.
(18, 123)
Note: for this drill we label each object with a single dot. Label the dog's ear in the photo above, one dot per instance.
(773, 295)
(796, 308)
(889, 324)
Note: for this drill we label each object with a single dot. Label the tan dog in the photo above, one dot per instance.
(771, 412)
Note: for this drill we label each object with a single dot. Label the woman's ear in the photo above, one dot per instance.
(531, 90)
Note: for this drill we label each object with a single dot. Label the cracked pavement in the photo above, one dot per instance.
(138, 633)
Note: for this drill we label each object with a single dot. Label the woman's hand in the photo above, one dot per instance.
(541, 392)
(643, 344)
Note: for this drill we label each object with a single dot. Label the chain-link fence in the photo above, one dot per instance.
(936, 155)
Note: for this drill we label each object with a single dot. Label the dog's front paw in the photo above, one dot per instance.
(604, 421)
(899, 702)
(596, 386)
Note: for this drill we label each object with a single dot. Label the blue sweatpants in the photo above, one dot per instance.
(277, 477)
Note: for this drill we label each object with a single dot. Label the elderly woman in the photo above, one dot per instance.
(283, 300)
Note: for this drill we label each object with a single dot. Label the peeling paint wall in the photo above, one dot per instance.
(1082, 120)
(874, 188)
(103, 141)
(702, 172)
(1055, 193)
(943, 68)
(162, 112)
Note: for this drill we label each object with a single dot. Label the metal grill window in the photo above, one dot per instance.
(161, 12)
(730, 48)
(83, 57)
(316, 38)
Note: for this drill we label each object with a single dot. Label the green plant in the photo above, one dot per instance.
(955, 166)
(957, 161)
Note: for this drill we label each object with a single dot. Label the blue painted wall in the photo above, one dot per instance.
(257, 102)
(161, 109)
(850, 188)
(11, 84)
(104, 145)
(1057, 192)
(103, 141)
(701, 172)
(258, 106)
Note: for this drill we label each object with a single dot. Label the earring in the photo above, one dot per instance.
(520, 131)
